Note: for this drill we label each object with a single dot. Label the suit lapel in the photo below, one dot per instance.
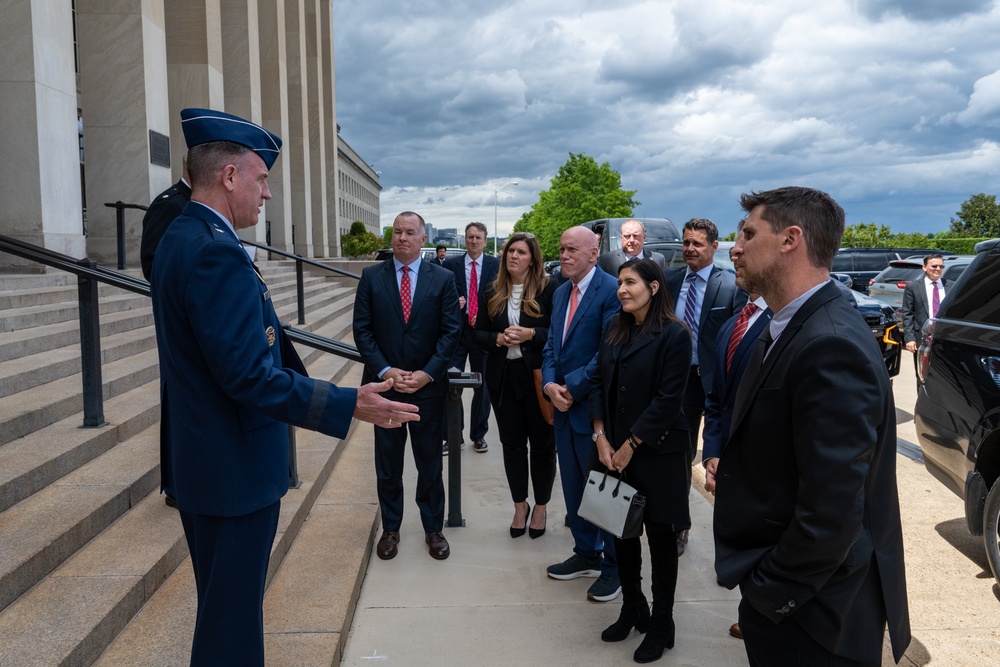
(560, 305)
(581, 308)
(391, 288)
(638, 345)
(424, 278)
(711, 293)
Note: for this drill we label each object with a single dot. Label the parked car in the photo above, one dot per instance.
(958, 400)
(673, 252)
(863, 264)
(888, 286)
(882, 321)
(431, 253)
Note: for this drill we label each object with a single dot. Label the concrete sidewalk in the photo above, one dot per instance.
(491, 602)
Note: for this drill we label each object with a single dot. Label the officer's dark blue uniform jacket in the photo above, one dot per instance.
(226, 390)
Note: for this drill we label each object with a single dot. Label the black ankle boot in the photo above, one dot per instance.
(659, 637)
(634, 614)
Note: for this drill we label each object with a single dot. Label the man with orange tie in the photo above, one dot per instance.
(921, 300)
(474, 271)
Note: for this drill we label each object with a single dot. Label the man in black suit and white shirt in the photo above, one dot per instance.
(633, 245)
(921, 299)
(704, 297)
(474, 271)
(806, 509)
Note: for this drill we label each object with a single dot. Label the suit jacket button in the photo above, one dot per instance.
(784, 610)
(623, 388)
(791, 604)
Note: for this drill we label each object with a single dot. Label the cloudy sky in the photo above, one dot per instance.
(891, 106)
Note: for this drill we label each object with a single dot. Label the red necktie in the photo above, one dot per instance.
(742, 322)
(935, 300)
(574, 301)
(473, 294)
(404, 293)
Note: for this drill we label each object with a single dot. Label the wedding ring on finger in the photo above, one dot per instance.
(390, 421)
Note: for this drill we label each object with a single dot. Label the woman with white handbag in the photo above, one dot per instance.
(641, 432)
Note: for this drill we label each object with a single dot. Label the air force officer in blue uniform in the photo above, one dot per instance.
(229, 383)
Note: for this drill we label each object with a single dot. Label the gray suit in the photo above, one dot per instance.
(610, 261)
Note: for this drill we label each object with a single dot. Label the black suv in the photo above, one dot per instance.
(958, 400)
(863, 264)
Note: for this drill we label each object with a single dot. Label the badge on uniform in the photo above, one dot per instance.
(270, 336)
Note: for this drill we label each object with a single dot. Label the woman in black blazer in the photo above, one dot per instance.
(641, 432)
(513, 328)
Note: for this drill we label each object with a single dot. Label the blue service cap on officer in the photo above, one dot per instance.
(202, 126)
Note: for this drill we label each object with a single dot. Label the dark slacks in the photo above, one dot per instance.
(425, 440)
(479, 420)
(786, 643)
(694, 410)
(520, 421)
(230, 557)
(662, 540)
(577, 454)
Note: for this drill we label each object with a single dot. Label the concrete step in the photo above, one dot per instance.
(36, 408)
(30, 463)
(16, 319)
(76, 508)
(17, 281)
(16, 344)
(44, 295)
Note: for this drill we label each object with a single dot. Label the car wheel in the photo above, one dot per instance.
(991, 529)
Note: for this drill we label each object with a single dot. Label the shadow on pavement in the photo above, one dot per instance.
(956, 533)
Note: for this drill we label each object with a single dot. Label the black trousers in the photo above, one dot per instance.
(520, 421)
(786, 643)
(230, 557)
(662, 539)
(694, 410)
(425, 440)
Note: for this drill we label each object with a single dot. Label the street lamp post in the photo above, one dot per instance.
(496, 235)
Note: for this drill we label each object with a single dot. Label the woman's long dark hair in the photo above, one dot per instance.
(534, 282)
(661, 306)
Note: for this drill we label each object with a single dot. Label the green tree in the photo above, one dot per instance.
(387, 237)
(979, 216)
(582, 190)
(359, 241)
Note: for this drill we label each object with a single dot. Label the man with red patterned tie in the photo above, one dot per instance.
(921, 299)
(474, 271)
(406, 327)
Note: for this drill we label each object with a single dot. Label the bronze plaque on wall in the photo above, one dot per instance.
(159, 149)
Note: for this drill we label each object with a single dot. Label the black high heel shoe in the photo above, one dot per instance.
(535, 533)
(658, 638)
(633, 615)
(518, 532)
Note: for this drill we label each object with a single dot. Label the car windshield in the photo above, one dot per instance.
(899, 274)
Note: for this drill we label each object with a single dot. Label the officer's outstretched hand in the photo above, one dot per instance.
(379, 410)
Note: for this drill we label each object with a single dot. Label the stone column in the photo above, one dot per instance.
(122, 97)
(241, 64)
(298, 126)
(316, 115)
(274, 116)
(329, 122)
(40, 173)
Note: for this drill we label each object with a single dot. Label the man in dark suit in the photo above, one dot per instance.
(161, 212)
(406, 327)
(633, 246)
(230, 383)
(580, 308)
(440, 253)
(807, 511)
(474, 272)
(704, 297)
(921, 299)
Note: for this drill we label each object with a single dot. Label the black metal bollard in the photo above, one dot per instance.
(90, 350)
(457, 381)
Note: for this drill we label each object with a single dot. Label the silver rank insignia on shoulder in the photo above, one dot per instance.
(218, 229)
(267, 294)
(270, 336)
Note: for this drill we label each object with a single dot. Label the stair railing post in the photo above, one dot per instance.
(457, 381)
(90, 349)
(120, 227)
(300, 291)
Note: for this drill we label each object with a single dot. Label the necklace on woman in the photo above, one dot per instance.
(515, 296)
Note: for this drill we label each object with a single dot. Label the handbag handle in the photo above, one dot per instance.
(614, 492)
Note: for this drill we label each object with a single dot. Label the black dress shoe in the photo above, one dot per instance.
(682, 540)
(170, 500)
(386, 547)
(437, 546)
(481, 446)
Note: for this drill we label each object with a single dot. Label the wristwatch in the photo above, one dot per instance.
(598, 434)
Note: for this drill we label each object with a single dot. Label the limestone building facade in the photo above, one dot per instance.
(90, 97)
